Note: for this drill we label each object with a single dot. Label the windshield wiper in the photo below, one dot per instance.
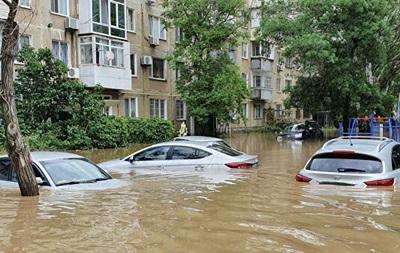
(78, 182)
(101, 179)
(350, 170)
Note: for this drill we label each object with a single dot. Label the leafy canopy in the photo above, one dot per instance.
(341, 48)
(209, 81)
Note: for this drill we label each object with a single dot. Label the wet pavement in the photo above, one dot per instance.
(261, 211)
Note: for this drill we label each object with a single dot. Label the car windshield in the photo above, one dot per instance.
(73, 171)
(225, 150)
(345, 163)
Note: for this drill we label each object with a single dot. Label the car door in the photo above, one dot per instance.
(153, 158)
(184, 158)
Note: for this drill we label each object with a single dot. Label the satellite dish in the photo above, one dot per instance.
(109, 55)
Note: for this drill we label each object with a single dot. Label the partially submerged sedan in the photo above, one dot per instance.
(183, 155)
(364, 161)
(55, 169)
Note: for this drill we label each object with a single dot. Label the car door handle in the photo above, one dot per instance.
(199, 168)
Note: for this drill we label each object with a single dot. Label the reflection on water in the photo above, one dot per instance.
(262, 211)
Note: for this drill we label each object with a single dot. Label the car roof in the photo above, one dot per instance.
(49, 155)
(198, 138)
(370, 145)
(183, 143)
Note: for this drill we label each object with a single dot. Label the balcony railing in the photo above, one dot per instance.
(261, 93)
(261, 63)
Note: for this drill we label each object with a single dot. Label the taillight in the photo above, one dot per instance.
(238, 165)
(383, 182)
(301, 178)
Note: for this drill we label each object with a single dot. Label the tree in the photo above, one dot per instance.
(340, 48)
(209, 82)
(16, 148)
(44, 94)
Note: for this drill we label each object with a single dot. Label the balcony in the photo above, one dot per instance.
(261, 64)
(261, 93)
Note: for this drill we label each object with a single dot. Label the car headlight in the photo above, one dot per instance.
(298, 135)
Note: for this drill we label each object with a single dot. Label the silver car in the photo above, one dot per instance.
(53, 169)
(183, 155)
(363, 161)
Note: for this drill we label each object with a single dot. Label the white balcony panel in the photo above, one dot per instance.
(85, 19)
(3, 10)
(107, 77)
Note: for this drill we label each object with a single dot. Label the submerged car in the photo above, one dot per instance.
(55, 169)
(183, 155)
(203, 139)
(364, 161)
(301, 131)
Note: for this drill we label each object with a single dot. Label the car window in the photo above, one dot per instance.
(180, 153)
(157, 153)
(396, 157)
(225, 150)
(64, 171)
(5, 169)
(345, 163)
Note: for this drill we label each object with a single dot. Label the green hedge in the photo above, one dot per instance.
(108, 132)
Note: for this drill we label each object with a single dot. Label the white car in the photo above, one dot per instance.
(53, 169)
(183, 155)
(206, 139)
(363, 161)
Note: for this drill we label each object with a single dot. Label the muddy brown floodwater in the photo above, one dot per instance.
(263, 211)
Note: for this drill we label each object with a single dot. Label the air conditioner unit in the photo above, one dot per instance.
(153, 41)
(73, 73)
(71, 23)
(150, 2)
(147, 60)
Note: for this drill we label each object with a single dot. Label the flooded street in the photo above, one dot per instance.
(265, 210)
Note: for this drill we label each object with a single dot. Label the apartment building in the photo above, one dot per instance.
(122, 44)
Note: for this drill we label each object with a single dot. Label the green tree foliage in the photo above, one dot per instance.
(46, 95)
(209, 82)
(341, 46)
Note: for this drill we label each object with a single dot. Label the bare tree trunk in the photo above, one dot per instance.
(17, 151)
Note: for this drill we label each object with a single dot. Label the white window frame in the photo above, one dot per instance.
(268, 83)
(245, 50)
(152, 70)
(135, 64)
(108, 17)
(29, 5)
(260, 110)
(129, 99)
(29, 40)
(162, 32)
(184, 110)
(59, 42)
(133, 28)
(158, 114)
(255, 18)
(254, 79)
(57, 12)
(245, 110)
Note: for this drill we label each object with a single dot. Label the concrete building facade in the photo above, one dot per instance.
(122, 45)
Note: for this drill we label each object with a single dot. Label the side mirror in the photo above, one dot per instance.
(39, 180)
(131, 159)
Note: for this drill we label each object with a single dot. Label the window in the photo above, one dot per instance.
(157, 69)
(245, 49)
(60, 7)
(156, 28)
(268, 82)
(86, 50)
(255, 17)
(24, 41)
(288, 83)
(396, 157)
(288, 62)
(60, 51)
(158, 108)
(153, 154)
(244, 111)
(130, 20)
(258, 111)
(133, 65)
(108, 17)
(256, 49)
(181, 153)
(180, 110)
(26, 3)
(257, 81)
(278, 84)
(232, 53)
(131, 107)
(245, 78)
(225, 150)
(345, 163)
(178, 34)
